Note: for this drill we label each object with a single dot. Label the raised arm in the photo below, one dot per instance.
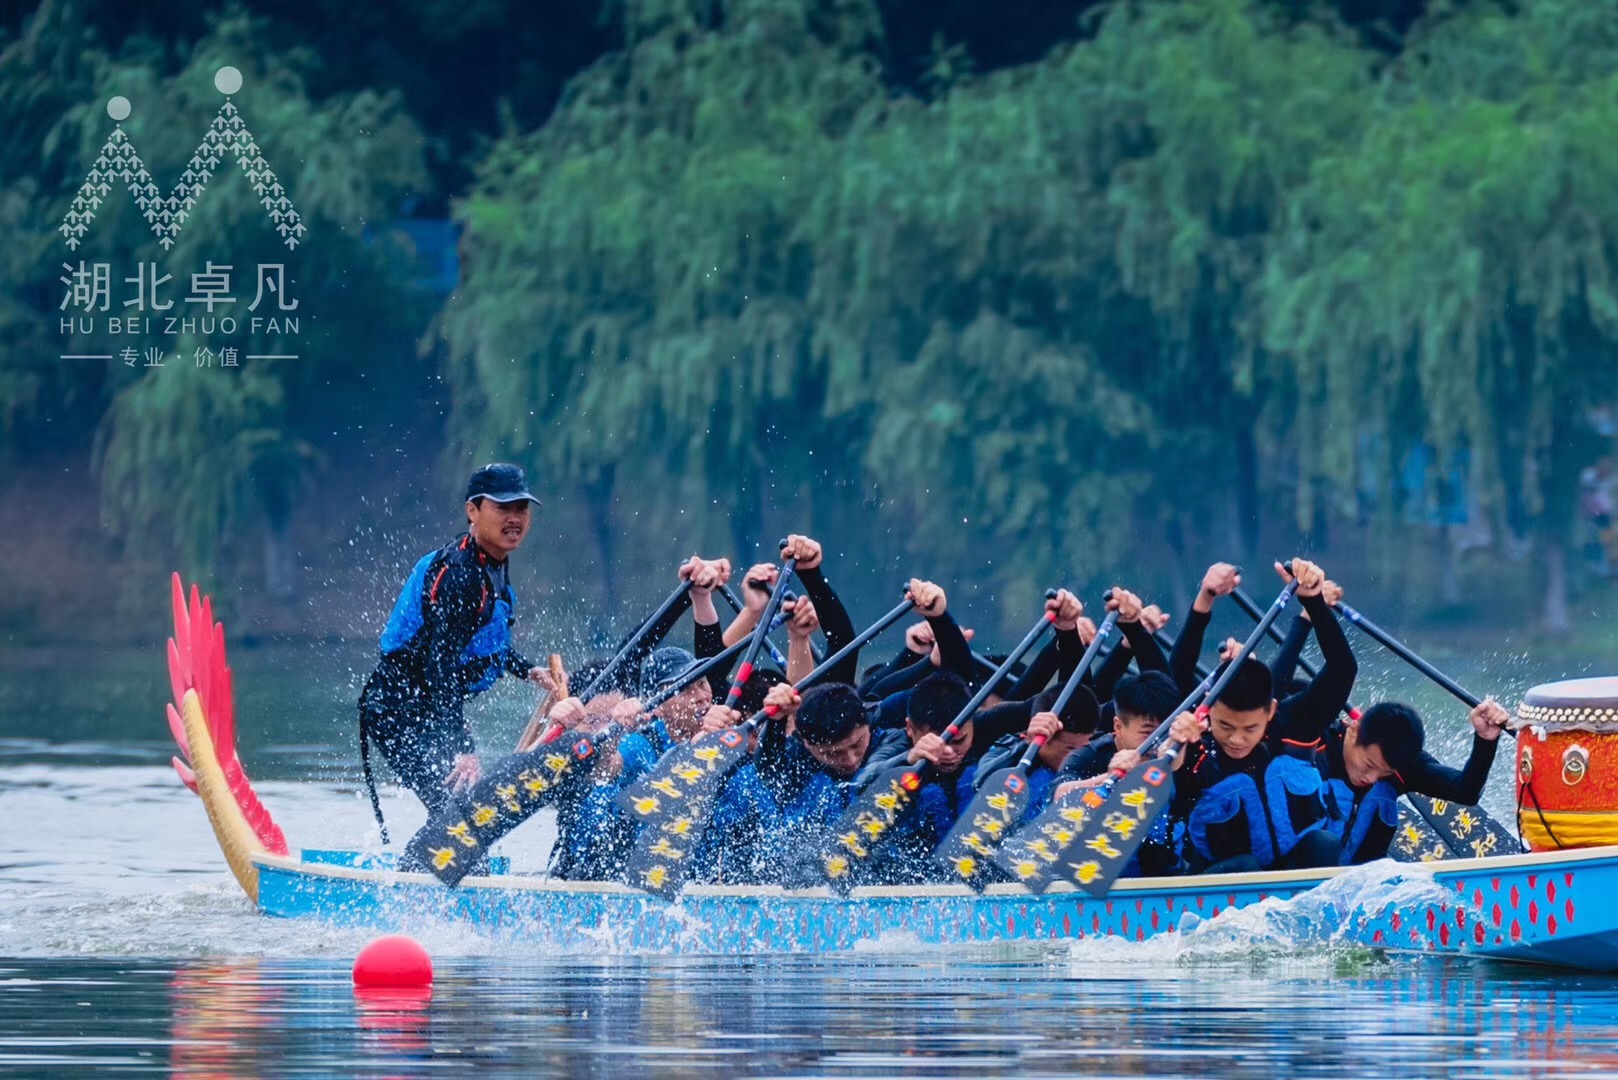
(833, 616)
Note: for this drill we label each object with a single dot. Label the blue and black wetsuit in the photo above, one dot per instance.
(447, 639)
(1370, 816)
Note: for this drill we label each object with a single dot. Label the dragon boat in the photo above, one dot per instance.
(1555, 904)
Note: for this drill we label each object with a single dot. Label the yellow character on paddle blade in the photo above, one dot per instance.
(443, 857)
(463, 833)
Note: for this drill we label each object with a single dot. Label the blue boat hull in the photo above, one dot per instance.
(1554, 908)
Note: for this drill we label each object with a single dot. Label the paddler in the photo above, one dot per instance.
(448, 639)
(1246, 787)
(1370, 761)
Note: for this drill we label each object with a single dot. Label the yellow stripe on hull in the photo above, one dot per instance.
(236, 837)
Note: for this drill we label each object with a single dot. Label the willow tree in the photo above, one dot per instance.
(1207, 118)
(634, 310)
(1459, 257)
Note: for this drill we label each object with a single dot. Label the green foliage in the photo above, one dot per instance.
(1208, 255)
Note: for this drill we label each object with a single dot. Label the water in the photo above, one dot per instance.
(124, 946)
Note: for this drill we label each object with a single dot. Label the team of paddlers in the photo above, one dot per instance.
(937, 764)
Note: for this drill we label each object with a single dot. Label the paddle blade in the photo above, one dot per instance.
(1115, 830)
(867, 822)
(968, 851)
(661, 860)
(1415, 840)
(1468, 831)
(688, 771)
(458, 835)
(1033, 853)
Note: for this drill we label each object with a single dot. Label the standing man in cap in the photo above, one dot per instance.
(448, 639)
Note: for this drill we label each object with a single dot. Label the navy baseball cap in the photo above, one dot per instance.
(664, 666)
(501, 482)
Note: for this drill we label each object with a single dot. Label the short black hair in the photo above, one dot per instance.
(1082, 713)
(758, 685)
(1251, 687)
(937, 700)
(1151, 693)
(829, 714)
(1396, 729)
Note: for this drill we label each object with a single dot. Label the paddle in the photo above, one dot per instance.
(1002, 797)
(455, 836)
(1121, 811)
(675, 801)
(1035, 846)
(1460, 826)
(530, 734)
(599, 683)
(875, 809)
(453, 840)
(736, 606)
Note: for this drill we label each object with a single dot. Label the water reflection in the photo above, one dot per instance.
(1027, 1013)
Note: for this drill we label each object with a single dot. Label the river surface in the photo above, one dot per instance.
(125, 947)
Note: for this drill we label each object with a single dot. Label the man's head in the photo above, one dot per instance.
(1079, 719)
(1241, 717)
(1142, 702)
(834, 729)
(682, 713)
(934, 704)
(499, 508)
(1383, 743)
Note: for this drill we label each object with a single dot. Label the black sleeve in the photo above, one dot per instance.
(1310, 712)
(834, 623)
(1037, 675)
(1187, 649)
(515, 663)
(708, 639)
(900, 681)
(1086, 761)
(1285, 664)
(1111, 671)
(905, 659)
(1006, 718)
(454, 610)
(1463, 785)
(954, 652)
(626, 677)
(1148, 653)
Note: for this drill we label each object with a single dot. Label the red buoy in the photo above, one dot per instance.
(394, 960)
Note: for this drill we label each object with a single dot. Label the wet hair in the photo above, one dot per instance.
(829, 714)
(1396, 729)
(758, 685)
(1082, 714)
(937, 700)
(1250, 688)
(1151, 693)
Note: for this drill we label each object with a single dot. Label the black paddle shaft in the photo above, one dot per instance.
(744, 672)
(634, 641)
(1205, 694)
(1404, 652)
(899, 611)
(736, 606)
(972, 706)
(1256, 613)
(1071, 687)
